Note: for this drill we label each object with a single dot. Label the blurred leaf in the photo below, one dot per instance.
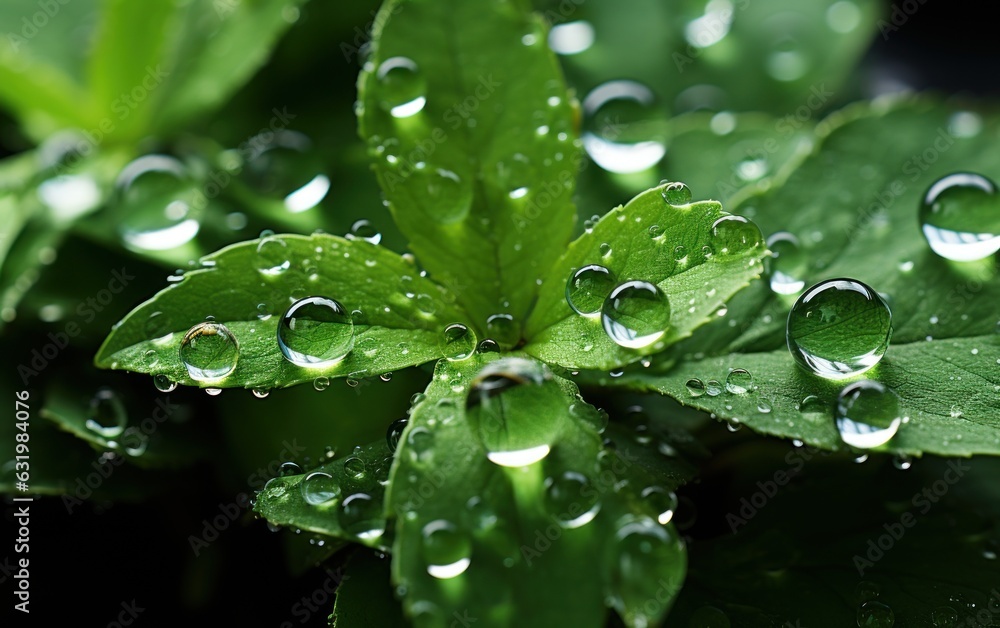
(652, 240)
(401, 321)
(365, 597)
(473, 146)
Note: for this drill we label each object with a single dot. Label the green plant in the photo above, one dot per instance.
(508, 496)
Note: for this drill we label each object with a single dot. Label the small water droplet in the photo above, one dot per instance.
(636, 314)
(788, 265)
(588, 287)
(107, 416)
(713, 388)
(459, 342)
(394, 432)
(873, 614)
(164, 383)
(735, 234)
(404, 87)
(675, 193)
(739, 382)
(261, 393)
(316, 332)
(624, 129)
(867, 414)
(446, 550)
(158, 204)
(209, 351)
(364, 230)
(319, 488)
(960, 217)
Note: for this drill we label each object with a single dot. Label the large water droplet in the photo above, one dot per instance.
(624, 129)
(735, 234)
(572, 499)
(209, 351)
(316, 332)
(838, 328)
(107, 416)
(447, 550)
(695, 387)
(319, 488)
(739, 382)
(636, 314)
(588, 287)
(394, 432)
(648, 571)
(675, 193)
(514, 405)
(867, 415)
(788, 267)
(960, 217)
(272, 255)
(361, 515)
(403, 87)
(503, 329)
(458, 342)
(163, 383)
(284, 166)
(157, 203)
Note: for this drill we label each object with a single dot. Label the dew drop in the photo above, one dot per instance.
(404, 87)
(735, 234)
(867, 415)
(713, 388)
(588, 287)
(873, 614)
(571, 499)
(394, 432)
(163, 383)
(960, 217)
(838, 328)
(636, 314)
(209, 351)
(107, 416)
(158, 204)
(361, 515)
(319, 488)
(624, 129)
(662, 501)
(272, 256)
(739, 382)
(695, 387)
(458, 342)
(316, 332)
(788, 265)
(675, 193)
(446, 550)
(364, 230)
(503, 329)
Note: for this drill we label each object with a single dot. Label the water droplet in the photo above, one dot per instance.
(571, 38)
(763, 406)
(506, 406)
(446, 550)
(458, 342)
(572, 499)
(288, 468)
(838, 328)
(420, 444)
(479, 515)
(321, 383)
(361, 515)
(735, 234)
(316, 332)
(364, 230)
(960, 217)
(404, 87)
(695, 387)
(675, 193)
(158, 204)
(261, 393)
(164, 383)
(588, 287)
(272, 255)
(874, 614)
(636, 314)
(713, 388)
(319, 488)
(624, 129)
(648, 571)
(944, 617)
(283, 166)
(664, 502)
(739, 381)
(867, 415)
(209, 351)
(488, 346)
(394, 432)
(107, 416)
(355, 468)
(865, 591)
(788, 265)
(503, 329)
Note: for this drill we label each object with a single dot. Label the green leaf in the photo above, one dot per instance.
(401, 321)
(643, 241)
(365, 596)
(857, 198)
(479, 179)
(810, 552)
(535, 545)
(341, 499)
(150, 438)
